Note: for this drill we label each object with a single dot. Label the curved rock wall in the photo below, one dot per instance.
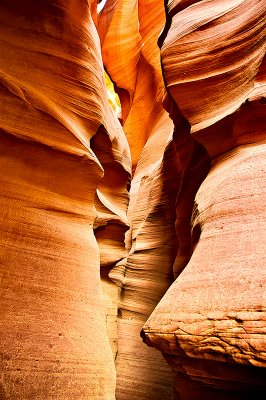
(87, 250)
(129, 32)
(61, 148)
(211, 323)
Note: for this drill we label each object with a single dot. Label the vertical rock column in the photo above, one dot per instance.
(129, 31)
(53, 340)
(210, 325)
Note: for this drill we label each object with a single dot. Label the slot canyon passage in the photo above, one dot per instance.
(132, 200)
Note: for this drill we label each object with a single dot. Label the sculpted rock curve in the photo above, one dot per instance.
(213, 316)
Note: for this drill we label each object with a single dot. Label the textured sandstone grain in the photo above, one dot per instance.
(129, 32)
(88, 256)
(53, 336)
(213, 316)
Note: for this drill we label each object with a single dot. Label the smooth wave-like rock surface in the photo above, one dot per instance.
(129, 32)
(65, 168)
(132, 187)
(211, 323)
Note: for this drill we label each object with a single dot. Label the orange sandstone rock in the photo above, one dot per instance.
(129, 32)
(55, 188)
(210, 325)
(193, 118)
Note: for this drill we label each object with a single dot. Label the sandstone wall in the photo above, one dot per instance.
(211, 323)
(147, 220)
(55, 188)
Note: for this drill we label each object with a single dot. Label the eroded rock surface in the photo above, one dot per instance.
(61, 148)
(211, 323)
(87, 253)
(129, 32)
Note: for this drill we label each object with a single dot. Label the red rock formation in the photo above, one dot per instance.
(129, 32)
(54, 119)
(66, 212)
(211, 323)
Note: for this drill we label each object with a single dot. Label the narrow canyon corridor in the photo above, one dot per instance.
(132, 200)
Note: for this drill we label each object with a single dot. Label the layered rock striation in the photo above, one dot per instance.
(65, 168)
(128, 33)
(211, 323)
(149, 218)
